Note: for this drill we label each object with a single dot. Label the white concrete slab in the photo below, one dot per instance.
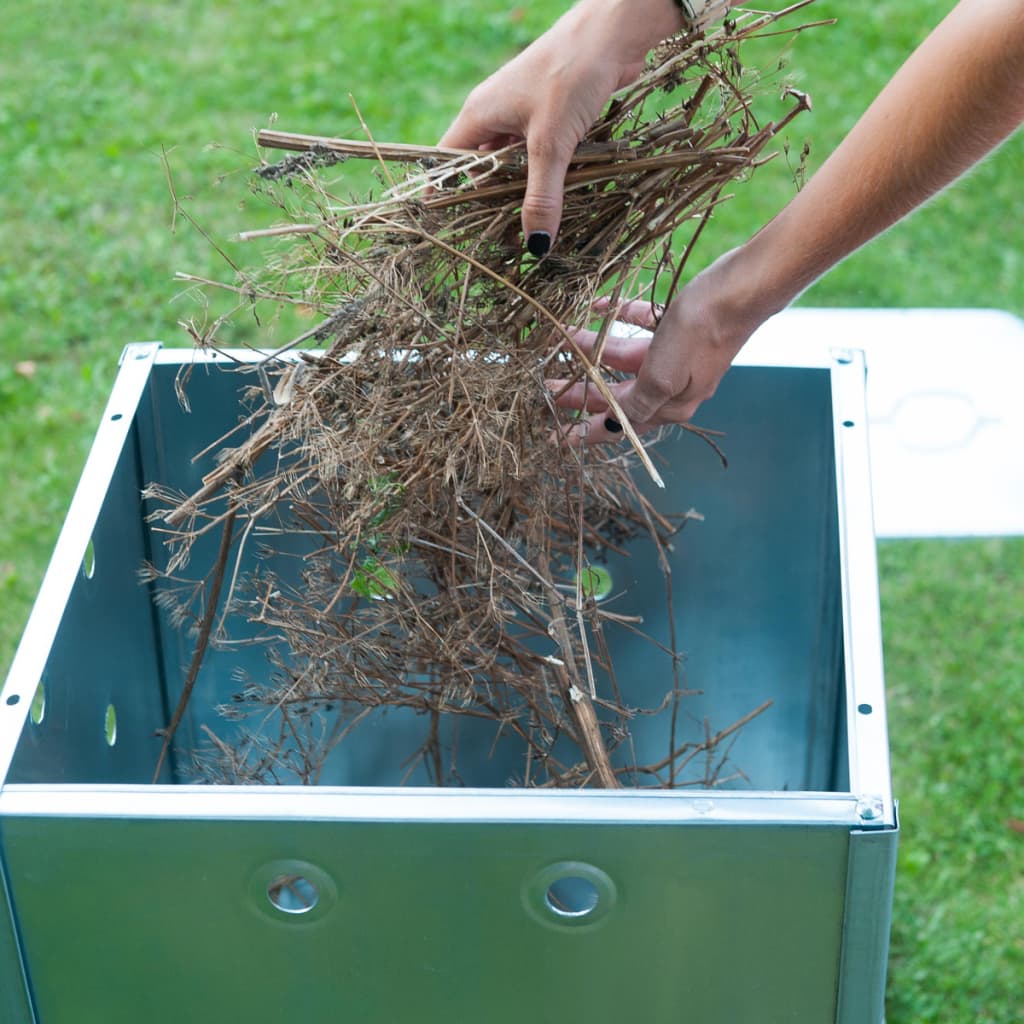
(946, 409)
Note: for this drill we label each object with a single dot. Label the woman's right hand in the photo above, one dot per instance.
(552, 92)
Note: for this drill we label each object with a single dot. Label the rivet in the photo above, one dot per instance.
(869, 808)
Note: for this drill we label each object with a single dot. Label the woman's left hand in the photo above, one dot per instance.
(693, 345)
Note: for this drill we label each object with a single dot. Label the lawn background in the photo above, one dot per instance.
(90, 95)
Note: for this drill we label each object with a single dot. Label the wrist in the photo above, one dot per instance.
(631, 28)
(744, 288)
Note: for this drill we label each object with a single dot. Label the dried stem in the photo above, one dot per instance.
(202, 642)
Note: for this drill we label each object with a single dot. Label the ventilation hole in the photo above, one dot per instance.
(844, 360)
(116, 416)
(864, 709)
(110, 725)
(291, 890)
(293, 894)
(12, 700)
(847, 423)
(37, 712)
(89, 561)
(141, 355)
(572, 896)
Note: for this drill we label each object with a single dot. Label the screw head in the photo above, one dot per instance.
(870, 807)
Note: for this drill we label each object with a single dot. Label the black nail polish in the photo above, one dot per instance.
(612, 426)
(538, 243)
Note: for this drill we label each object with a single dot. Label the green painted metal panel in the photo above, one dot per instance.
(15, 1007)
(427, 922)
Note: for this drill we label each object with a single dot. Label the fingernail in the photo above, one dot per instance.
(612, 426)
(538, 243)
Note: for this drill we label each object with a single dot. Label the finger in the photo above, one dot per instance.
(625, 354)
(645, 399)
(601, 429)
(466, 132)
(656, 400)
(576, 395)
(548, 156)
(681, 409)
(639, 312)
(498, 142)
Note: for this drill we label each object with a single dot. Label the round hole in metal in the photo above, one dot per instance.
(89, 561)
(116, 416)
(293, 894)
(847, 423)
(864, 709)
(37, 712)
(12, 700)
(572, 896)
(110, 725)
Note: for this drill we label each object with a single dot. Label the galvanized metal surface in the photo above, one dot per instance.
(90, 643)
(140, 901)
(870, 882)
(415, 805)
(866, 727)
(430, 922)
(15, 1004)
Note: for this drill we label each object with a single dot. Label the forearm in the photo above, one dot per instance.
(957, 97)
(631, 28)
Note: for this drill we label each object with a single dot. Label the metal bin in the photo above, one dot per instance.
(765, 900)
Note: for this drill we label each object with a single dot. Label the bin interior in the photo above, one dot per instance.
(757, 592)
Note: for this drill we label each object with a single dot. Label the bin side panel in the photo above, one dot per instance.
(126, 920)
(870, 883)
(756, 584)
(15, 1007)
(102, 681)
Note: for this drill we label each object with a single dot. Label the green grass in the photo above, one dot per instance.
(90, 95)
(954, 649)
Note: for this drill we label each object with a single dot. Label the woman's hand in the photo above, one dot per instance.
(553, 92)
(694, 343)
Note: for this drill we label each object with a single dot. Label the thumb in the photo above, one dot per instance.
(466, 133)
(641, 400)
(548, 160)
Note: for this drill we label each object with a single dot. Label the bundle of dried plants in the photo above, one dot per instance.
(454, 547)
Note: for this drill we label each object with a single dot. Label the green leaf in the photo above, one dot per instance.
(595, 582)
(375, 581)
